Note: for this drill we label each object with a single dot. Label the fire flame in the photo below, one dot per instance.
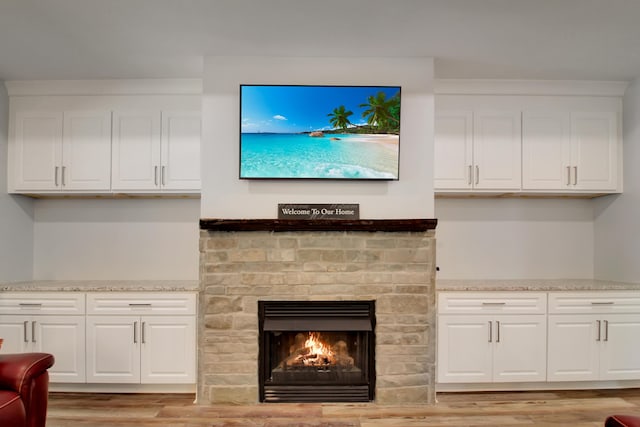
(317, 347)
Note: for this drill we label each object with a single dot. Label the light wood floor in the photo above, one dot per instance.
(572, 408)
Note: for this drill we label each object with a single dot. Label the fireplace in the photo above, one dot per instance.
(246, 262)
(316, 351)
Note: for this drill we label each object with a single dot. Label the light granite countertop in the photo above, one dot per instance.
(100, 286)
(534, 285)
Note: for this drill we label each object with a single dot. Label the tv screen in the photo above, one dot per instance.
(319, 132)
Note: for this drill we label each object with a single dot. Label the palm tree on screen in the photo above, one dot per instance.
(339, 117)
(381, 112)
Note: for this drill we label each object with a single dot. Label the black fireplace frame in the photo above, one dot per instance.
(287, 316)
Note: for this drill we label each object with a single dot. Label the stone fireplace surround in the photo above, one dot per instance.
(245, 261)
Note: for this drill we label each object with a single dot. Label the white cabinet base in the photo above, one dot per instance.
(533, 386)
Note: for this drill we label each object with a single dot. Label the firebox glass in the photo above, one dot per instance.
(320, 358)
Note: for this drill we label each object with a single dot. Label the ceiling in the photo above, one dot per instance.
(502, 39)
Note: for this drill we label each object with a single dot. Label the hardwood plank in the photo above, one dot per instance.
(585, 408)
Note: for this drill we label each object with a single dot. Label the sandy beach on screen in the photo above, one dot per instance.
(377, 138)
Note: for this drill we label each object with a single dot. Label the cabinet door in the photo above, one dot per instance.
(594, 150)
(546, 151)
(15, 331)
(136, 150)
(497, 150)
(180, 155)
(573, 347)
(113, 349)
(64, 337)
(620, 347)
(38, 150)
(168, 350)
(465, 350)
(453, 150)
(520, 352)
(86, 150)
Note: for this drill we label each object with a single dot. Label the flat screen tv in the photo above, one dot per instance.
(319, 132)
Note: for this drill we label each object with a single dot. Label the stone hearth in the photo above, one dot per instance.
(243, 262)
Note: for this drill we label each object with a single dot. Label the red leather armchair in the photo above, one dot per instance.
(24, 389)
(622, 421)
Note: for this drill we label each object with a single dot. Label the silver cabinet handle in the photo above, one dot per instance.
(598, 338)
(155, 175)
(135, 304)
(55, 176)
(142, 333)
(606, 330)
(162, 174)
(602, 303)
(490, 331)
(477, 174)
(470, 174)
(497, 331)
(31, 304)
(135, 334)
(575, 175)
(568, 175)
(24, 326)
(33, 331)
(64, 168)
(494, 303)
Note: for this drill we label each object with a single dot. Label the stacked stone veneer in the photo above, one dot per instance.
(239, 268)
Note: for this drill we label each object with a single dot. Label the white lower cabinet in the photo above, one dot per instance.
(594, 336)
(144, 339)
(485, 337)
(50, 323)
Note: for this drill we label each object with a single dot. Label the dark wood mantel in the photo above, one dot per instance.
(388, 225)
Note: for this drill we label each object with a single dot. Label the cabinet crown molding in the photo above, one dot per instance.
(104, 87)
(529, 87)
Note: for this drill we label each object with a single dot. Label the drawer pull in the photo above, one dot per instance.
(498, 331)
(599, 328)
(602, 303)
(30, 304)
(494, 303)
(139, 304)
(606, 330)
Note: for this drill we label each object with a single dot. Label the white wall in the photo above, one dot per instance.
(16, 214)
(514, 238)
(225, 196)
(617, 223)
(113, 239)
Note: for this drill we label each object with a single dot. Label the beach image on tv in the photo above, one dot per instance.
(319, 132)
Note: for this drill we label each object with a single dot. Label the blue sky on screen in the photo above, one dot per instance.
(292, 109)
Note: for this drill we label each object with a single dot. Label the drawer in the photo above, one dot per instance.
(143, 303)
(464, 302)
(594, 302)
(42, 303)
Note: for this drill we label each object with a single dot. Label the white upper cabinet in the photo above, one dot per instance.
(62, 151)
(136, 150)
(594, 142)
(477, 150)
(453, 149)
(496, 150)
(37, 150)
(546, 151)
(569, 151)
(180, 150)
(155, 150)
(86, 150)
(505, 143)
